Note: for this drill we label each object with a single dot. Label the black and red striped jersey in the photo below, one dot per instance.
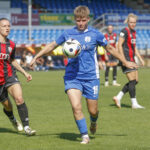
(7, 53)
(111, 39)
(129, 43)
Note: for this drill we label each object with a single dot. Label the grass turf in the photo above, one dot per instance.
(51, 115)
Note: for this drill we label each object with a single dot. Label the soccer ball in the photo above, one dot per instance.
(71, 48)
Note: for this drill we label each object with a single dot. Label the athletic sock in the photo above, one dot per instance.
(106, 73)
(94, 118)
(9, 114)
(120, 95)
(26, 127)
(125, 89)
(132, 88)
(82, 126)
(23, 113)
(134, 101)
(115, 73)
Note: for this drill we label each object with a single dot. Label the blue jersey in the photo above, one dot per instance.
(85, 65)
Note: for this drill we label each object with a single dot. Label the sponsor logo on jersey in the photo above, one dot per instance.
(87, 39)
(111, 41)
(4, 56)
(133, 41)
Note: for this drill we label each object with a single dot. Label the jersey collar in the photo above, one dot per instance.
(86, 30)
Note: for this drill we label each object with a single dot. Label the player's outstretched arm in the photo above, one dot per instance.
(139, 57)
(121, 57)
(48, 48)
(20, 69)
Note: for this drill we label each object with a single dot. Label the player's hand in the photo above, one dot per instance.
(142, 62)
(131, 65)
(32, 62)
(28, 76)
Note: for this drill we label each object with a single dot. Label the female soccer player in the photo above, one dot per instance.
(111, 37)
(127, 47)
(9, 82)
(82, 73)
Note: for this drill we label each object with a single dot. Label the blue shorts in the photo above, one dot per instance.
(89, 88)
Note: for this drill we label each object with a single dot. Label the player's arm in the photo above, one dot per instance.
(121, 57)
(106, 56)
(20, 69)
(139, 56)
(48, 48)
(120, 47)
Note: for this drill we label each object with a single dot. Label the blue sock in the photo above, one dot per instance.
(82, 126)
(94, 119)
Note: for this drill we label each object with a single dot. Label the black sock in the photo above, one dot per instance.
(23, 113)
(106, 73)
(115, 73)
(9, 114)
(132, 88)
(125, 89)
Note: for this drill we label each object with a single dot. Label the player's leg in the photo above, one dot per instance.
(107, 75)
(15, 91)
(133, 78)
(74, 96)
(8, 111)
(117, 99)
(91, 93)
(115, 75)
(93, 111)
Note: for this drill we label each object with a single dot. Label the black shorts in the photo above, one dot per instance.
(3, 88)
(126, 70)
(111, 58)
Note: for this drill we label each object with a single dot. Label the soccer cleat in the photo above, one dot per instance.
(93, 127)
(117, 102)
(30, 132)
(137, 106)
(106, 84)
(116, 84)
(85, 139)
(17, 125)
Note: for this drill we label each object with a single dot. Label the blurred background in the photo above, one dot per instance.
(38, 22)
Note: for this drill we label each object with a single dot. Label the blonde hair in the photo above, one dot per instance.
(131, 15)
(81, 11)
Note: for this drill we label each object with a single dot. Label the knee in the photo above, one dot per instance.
(7, 106)
(77, 110)
(19, 100)
(93, 112)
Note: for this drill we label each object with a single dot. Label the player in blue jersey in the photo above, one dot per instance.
(82, 73)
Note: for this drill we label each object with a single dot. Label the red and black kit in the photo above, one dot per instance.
(7, 71)
(111, 39)
(129, 45)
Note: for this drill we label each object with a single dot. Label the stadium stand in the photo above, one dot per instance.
(97, 7)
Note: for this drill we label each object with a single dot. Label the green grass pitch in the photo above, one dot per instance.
(51, 115)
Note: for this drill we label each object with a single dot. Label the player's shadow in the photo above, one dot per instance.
(71, 136)
(122, 105)
(105, 134)
(7, 130)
